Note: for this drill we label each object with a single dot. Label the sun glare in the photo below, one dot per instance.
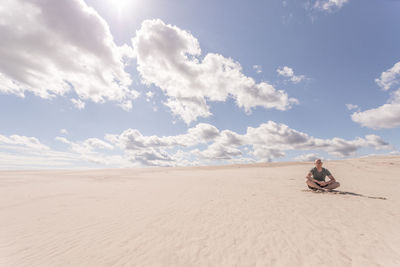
(120, 6)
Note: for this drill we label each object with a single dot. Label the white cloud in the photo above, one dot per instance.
(329, 5)
(126, 105)
(277, 136)
(95, 143)
(387, 115)
(62, 140)
(225, 146)
(218, 151)
(86, 147)
(351, 106)
(153, 150)
(27, 159)
(151, 157)
(132, 139)
(168, 57)
(308, 157)
(95, 150)
(149, 96)
(50, 48)
(272, 135)
(64, 131)
(265, 153)
(268, 141)
(22, 152)
(257, 68)
(289, 73)
(390, 77)
(79, 104)
(201, 144)
(24, 141)
(342, 148)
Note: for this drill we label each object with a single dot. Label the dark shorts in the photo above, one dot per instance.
(322, 186)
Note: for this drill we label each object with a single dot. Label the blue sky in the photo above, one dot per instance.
(175, 83)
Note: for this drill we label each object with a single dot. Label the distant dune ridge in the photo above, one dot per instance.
(238, 215)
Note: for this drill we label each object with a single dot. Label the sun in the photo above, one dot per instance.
(120, 6)
(123, 8)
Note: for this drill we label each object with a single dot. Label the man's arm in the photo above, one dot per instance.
(331, 179)
(310, 178)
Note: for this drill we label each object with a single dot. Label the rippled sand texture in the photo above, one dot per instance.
(241, 215)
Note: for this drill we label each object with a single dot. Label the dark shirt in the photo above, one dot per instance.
(320, 176)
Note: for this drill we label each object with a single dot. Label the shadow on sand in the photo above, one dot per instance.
(343, 193)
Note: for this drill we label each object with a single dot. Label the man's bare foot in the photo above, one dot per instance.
(317, 190)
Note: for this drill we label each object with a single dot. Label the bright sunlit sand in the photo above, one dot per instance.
(238, 215)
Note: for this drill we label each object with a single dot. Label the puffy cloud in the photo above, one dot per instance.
(229, 138)
(203, 144)
(153, 149)
(351, 106)
(126, 105)
(201, 133)
(289, 73)
(62, 140)
(188, 108)
(375, 141)
(87, 146)
(64, 131)
(95, 143)
(93, 150)
(33, 159)
(50, 48)
(217, 151)
(272, 135)
(23, 141)
(19, 152)
(132, 139)
(151, 157)
(149, 96)
(168, 57)
(342, 148)
(329, 5)
(387, 115)
(265, 153)
(278, 136)
(225, 146)
(79, 104)
(266, 142)
(390, 77)
(308, 157)
(257, 68)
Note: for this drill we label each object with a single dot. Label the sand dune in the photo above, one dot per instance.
(241, 215)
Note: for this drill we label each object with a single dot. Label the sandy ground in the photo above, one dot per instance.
(247, 215)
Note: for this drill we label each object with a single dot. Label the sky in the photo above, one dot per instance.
(132, 83)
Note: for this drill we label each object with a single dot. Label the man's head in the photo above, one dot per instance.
(318, 162)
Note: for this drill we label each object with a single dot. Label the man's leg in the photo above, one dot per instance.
(313, 185)
(332, 186)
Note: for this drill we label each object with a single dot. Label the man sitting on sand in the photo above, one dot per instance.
(316, 178)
